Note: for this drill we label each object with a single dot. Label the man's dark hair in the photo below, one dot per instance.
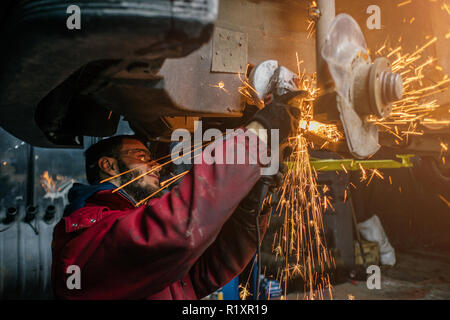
(109, 147)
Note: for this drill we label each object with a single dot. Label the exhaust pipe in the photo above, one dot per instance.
(31, 213)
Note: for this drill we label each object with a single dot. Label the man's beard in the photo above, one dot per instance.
(135, 189)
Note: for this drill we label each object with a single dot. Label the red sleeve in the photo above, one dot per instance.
(136, 253)
(227, 257)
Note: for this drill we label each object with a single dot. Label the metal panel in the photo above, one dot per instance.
(229, 51)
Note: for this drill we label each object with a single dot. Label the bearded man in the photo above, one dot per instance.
(184, 244)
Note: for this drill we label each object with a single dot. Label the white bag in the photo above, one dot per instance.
(372, 230)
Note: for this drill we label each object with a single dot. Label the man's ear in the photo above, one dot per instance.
(108, 165)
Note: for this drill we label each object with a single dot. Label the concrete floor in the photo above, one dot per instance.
(418, 275)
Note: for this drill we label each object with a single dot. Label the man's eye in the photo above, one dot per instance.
(142, 156)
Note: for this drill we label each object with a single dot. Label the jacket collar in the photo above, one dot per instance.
(81, 194)
(118, 200)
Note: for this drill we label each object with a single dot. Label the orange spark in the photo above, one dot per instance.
(220, 85)
(444, 200)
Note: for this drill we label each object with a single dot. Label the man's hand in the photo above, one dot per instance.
(251, 201)
(277, 115)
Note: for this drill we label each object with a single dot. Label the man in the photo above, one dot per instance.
(183, 245)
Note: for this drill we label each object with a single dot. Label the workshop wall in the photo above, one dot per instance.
(275, 29)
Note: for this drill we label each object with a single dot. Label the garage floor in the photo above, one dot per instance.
(418, 275)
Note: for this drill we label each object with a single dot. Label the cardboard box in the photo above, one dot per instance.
(371, 253)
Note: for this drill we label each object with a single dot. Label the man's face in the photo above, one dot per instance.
(135, 156)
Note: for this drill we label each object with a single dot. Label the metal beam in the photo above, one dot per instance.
(327, 12)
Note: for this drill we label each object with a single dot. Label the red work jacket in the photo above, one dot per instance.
(183, 245)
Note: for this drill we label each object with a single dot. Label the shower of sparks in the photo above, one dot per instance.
(417, 106)
(328, 132)
(301, 242)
